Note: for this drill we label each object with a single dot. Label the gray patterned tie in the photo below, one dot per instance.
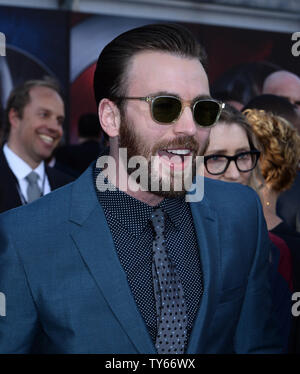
(169, 296)
(33, 189)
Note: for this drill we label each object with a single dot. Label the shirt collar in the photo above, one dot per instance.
(132, 213)
(19, 167)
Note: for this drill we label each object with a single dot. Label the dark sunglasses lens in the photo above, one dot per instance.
(166, 109)
(206, 112)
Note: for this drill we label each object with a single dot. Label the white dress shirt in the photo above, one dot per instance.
(21, 169)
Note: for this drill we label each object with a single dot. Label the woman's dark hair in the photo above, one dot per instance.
(244, 81)
(277, 105)
(231, 115)
(110, 79)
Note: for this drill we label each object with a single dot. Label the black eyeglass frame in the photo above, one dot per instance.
(233, 158)
(184, 103)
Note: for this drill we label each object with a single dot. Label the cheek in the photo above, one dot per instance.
(60, 132)
(31, 130)
(245, 178)
(207, 175)
(146, 130)
(26, 132)
(202, 137)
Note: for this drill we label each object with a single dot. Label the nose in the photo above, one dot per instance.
(232, 173)
(185, 125)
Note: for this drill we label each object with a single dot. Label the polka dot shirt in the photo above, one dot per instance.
(132, 232)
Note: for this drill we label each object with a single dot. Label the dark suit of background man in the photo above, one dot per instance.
(85, 279)
(34, 126)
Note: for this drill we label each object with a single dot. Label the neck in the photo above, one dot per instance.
(23, 155)
(269, 200)
(146, 197)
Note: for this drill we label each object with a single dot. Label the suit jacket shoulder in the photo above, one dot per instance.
(232, 200)
(225, 192)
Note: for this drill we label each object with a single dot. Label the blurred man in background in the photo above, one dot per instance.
(287, 84)
(34, 127)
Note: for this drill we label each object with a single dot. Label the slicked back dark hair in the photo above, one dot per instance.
(114, 60)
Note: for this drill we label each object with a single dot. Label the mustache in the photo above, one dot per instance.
(187, 142)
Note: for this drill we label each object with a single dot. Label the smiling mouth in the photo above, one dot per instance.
(47, 139)
(175, 152)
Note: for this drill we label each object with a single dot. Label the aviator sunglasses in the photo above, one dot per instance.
(168, 109)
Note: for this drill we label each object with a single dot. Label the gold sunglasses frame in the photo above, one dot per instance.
(184, 103)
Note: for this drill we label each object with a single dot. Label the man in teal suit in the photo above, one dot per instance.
(77, 267)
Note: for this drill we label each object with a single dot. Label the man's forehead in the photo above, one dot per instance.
(291, 92)
(158, 71)
(288, 84)
(46, 98)
(41, 93)
(38, 91)
(150, 60)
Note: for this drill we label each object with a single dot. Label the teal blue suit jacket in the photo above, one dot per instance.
(66, 291)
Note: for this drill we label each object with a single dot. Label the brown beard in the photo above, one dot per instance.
(136, 147)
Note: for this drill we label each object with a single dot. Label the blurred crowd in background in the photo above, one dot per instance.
(256, 142)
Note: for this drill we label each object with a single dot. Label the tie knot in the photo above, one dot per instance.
(158, 220)
(32, 177)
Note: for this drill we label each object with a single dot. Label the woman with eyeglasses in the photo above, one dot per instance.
(232, 155)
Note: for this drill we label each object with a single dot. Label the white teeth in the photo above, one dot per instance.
(179, 151)
(47, 139)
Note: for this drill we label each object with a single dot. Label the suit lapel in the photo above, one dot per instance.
(55, 178)
(93, 239)
(206, 225)
(9, 194)
(52, 181)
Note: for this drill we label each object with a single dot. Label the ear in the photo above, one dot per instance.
(14, 118)
(109, 117)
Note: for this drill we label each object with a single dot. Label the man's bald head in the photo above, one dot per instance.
(283, 83)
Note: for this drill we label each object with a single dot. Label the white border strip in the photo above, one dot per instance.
(178, 10)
